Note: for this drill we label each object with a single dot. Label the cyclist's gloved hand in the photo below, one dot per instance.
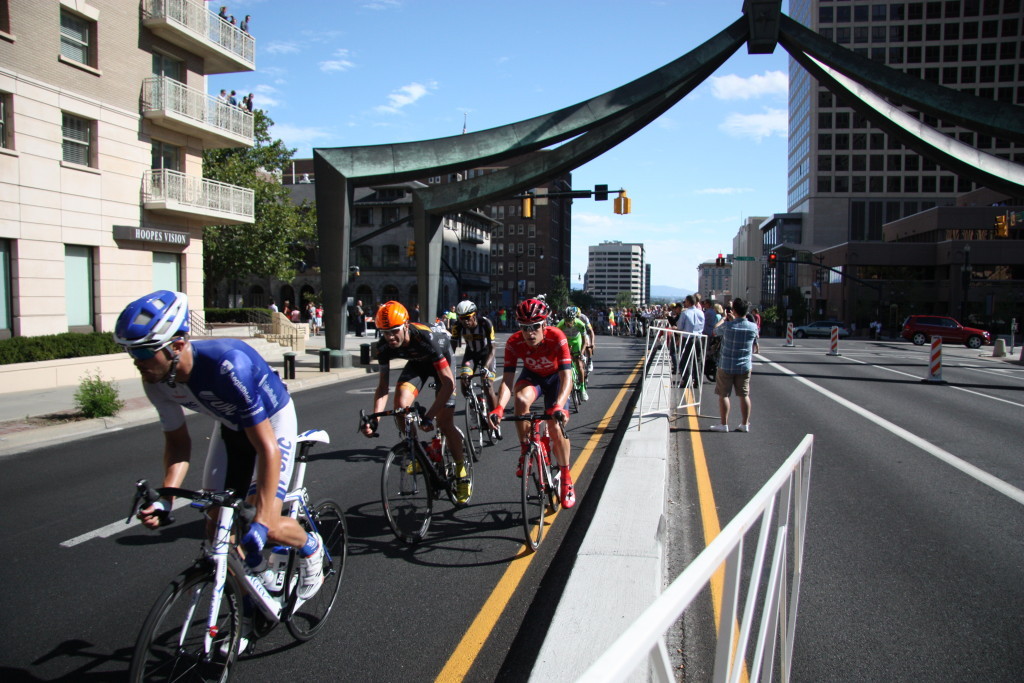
(155, 514)
(253, 542)
(495, 416)
(426, 424)
(557, 414)
(369, 427)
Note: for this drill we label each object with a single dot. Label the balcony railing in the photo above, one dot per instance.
(175, 105)
(190, 24)
(176, 193)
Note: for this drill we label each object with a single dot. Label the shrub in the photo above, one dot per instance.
(54, 346)
(97, 397)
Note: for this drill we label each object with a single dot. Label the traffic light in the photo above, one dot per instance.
(600, 193)
(623, 204)
(410, 249)
(720, 261)
(528, 206)
(1002, 226)
(773, 260)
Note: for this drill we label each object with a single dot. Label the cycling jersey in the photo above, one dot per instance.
(576, 333)
(229, 381)
(547, 358)
(478, 339)
(425, 346)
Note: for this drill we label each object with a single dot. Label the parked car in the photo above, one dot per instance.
(822, 328)
(921, 328)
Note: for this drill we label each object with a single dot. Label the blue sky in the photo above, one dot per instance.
(335, 73)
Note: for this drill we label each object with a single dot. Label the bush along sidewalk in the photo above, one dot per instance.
(55, 346)
(97, 397)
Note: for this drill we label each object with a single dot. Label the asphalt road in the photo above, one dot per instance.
(73, 612)
(914, 553)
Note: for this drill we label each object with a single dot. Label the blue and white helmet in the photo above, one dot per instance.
(154, 320)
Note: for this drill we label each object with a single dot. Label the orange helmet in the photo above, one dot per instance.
(391, 315)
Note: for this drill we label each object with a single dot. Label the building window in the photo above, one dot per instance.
(78, 287)
(77, 140)
(6, 138)
(166, 271)
(364, 216)
(389, 254)
(168, 66)
(166, 156)
(76, 41)
(5, 289)
(531, 231)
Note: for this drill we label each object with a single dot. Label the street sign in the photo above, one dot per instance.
(744, 258)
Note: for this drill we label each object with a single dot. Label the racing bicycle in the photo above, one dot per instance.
(198, 626)
(540, 478)
(415, 473)
(576, 395)
(479, 432)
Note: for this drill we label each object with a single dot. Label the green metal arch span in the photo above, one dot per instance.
(368, 164)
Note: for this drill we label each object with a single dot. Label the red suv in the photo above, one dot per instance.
(921, 328)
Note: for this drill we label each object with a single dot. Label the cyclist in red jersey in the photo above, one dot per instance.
(546, 371)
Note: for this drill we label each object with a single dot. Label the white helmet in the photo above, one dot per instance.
(465, 308)
(153, 321)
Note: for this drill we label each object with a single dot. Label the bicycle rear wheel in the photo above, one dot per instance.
(171, 643)
(307, 618)
(533, 498)
(407, 493)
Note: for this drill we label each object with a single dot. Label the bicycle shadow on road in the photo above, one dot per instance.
(75, 648)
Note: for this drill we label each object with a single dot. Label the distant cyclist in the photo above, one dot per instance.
(253, 441)
(575, 332)
(588, 344)
(546, 372)
(428, 353)
(477, 332)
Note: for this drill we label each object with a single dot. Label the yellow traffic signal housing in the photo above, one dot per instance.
(623, 204)
(528, 207)
(1002, 226)
(410, 249)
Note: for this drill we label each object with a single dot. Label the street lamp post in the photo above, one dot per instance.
(965, 279)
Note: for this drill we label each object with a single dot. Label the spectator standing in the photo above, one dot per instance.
(224, 13)
(414, 314)
(735, 365)
(232, 100)
(247, 103)
(272, 306)
(691, 321)
(245, 24)
(360, 318)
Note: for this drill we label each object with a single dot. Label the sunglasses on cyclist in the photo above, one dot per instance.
(146, 352)
(530, 327)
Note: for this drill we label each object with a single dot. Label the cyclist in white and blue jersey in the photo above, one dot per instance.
(252, 446)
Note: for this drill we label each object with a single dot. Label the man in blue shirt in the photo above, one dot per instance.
(690, 320)
(735, 364)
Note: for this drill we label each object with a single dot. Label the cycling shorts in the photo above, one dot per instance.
(543, 386)
(575, 345)
(231, 457)
(416, 374)
(472, 361)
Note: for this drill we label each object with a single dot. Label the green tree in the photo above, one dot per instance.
(558, 297)
(624, 299)
(584, 300)
(282, 233)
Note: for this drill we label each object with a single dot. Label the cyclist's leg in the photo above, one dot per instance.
(466, 373)
(559, 443)
(526, 390)
(407, 388)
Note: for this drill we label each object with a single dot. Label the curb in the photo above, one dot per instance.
(39, 437)
(621, 558)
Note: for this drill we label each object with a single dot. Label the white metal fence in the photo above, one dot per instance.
(781, 504)
(195, 17)
(196, 192)
(673, 359)
(163, 93)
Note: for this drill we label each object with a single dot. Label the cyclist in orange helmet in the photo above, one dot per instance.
(429, 357)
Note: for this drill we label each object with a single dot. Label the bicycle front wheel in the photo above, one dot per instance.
(171, 645)
(328, 520)
(474, 433)
(533, 498)
(407, 494)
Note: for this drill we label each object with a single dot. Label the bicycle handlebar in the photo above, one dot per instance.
(535, 417)
(371, 419)
(146, 495)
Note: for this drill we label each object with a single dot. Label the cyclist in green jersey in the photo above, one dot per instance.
(576, 334)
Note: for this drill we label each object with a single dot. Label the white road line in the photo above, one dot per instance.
(114, 528)
(970, 470)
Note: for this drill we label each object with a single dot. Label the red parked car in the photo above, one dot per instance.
(921, 328)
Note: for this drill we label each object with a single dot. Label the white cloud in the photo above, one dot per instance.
(733, 87)
(341, 62)
(264, 96)
(406, 95)
(757, 126)
(298, 136)
(281, 48)
(724, 190)
(381, 4)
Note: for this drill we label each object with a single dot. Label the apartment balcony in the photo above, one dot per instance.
(191, 25)
(174, 105)
(213, 202)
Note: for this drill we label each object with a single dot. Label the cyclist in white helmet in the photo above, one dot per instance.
(254, 436)
(477, 332)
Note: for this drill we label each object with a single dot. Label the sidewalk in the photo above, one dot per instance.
(32, 419)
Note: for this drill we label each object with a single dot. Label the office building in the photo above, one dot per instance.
(104, 117)
(615, 267)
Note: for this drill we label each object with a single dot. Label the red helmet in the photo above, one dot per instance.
(532, 311)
